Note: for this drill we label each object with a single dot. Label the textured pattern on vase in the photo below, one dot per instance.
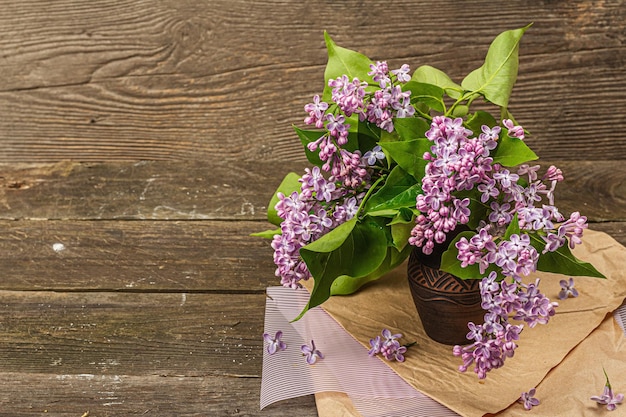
(433, 284)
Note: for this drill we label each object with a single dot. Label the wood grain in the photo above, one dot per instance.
(135, 256)
(109, 395)
(191, 190)
(190, 335)
(195, 190)
(146, 80)
(151, 257)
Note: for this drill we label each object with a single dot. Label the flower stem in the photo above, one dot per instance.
(369, 192)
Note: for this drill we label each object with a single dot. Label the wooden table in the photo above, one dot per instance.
(140, 142)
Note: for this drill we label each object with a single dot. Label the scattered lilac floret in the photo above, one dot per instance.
(274, 344)
(388, 346)
(311, 353)
(375, 344)
(528, 399)
(567, 289)
(608, 398)
(393, 351)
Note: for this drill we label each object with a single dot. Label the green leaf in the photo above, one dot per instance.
(383, 213)
(309, 136)
(405, 215)
(478, 119)
(400, 233)
(513, 228)
(355, 249)
(496, 77)
(430, 75)
(356, 140)
(344, 61)
(460, 110)
(345, 284)
(409, 128)
(389, 136)
(367, 137)
(409, 155)
(400, 190)
(429, 94)
(267, 234)
(512, 151)
(562, 261)
(289, 184)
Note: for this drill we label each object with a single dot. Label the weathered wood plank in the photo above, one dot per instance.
(102, 395)
(109, 80)
(157, 256)
(191, 335)
(146, 256)
(193, 190)
(196, 190)
(127, 354)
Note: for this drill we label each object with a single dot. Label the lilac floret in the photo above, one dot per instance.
(274, 344)
(567, 289)
(528, 399)
(311, 353)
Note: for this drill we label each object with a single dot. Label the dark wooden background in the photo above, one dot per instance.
(148, 136)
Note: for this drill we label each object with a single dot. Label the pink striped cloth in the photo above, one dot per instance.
(375, 390)
(373, 387)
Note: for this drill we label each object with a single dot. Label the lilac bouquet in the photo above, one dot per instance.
(401, 161)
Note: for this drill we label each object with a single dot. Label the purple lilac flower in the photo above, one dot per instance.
(403, 107)
(274, 344)
(380, 73)
(373, 156)
(388, 346)
(528, 399)
(495, 340)
(456, 163)
(553, 242)
(553, 174)
(513, 130)
(348, 95)
(338, 128)
(488, 190)
(389, 337)
(531, 171)
(393, 351)
(608, 398)
(500, 213)
(515, 257)
(506, 178)
(346, 211)
(321, 205)
(573, 228)
(316, 112)
(311, 353)
(313, 182)
(567, 289)
(388, 102)
(376, 344)
(489, 134)
(402, 73)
